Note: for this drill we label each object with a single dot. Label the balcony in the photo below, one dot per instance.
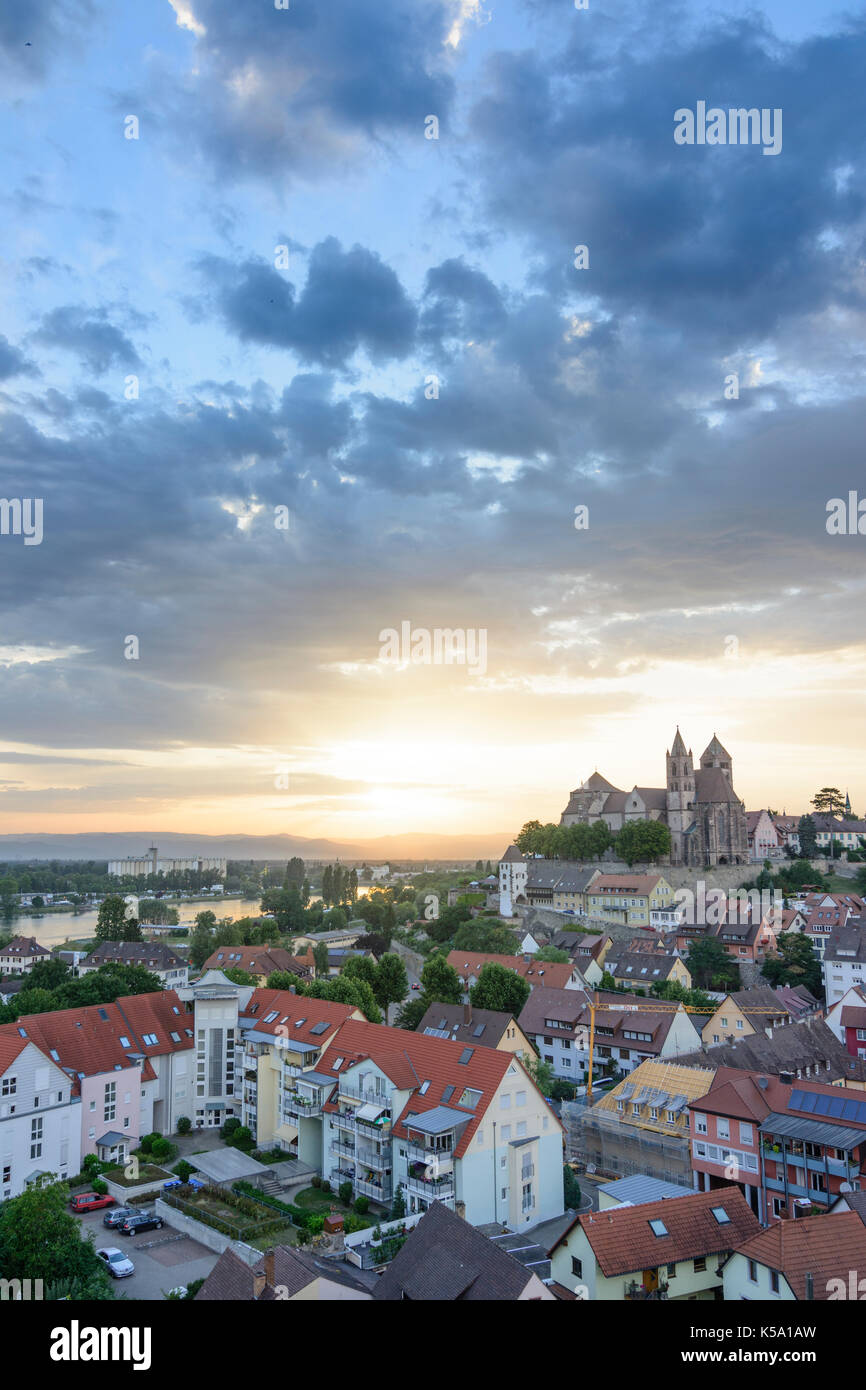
(343, 1150)
(380, 1192)
(303, 1105)
(373, 1158)
(432, 1189)
(441, 1160)
(636, 1292)
(363, 1094)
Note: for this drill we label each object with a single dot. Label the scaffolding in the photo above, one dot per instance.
(601, 1141)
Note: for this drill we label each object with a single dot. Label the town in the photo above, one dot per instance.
(582, 1082)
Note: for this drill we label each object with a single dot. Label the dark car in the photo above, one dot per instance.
(143, 1221)
(90, 1201)
(114, 1218)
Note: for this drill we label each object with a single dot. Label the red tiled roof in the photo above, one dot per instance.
(554, 975)
(289, 1008)
(826, 1246)
(256, 960)
(409, 1059)
(624, 1242)
(11, 1046)
(24, 946)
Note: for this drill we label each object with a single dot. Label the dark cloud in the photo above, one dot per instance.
(90, 335)
(350, 300)
(12, 361)
(44, 25)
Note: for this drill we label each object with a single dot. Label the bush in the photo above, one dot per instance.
(183, 1170)
(148, 1141)
(315, 1223)
(326, 1186)
(184, 1124)
(90, 1162)
(193, 1288)
(229, 1127)
(352, 1223)
(162, 1149)
(316, 1180)
(100, 1187)
(362, 1206)
(242, 1138)
(344, 1192)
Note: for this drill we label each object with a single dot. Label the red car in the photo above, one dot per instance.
(90, 1201)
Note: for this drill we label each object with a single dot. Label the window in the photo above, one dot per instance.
(700, 1124)
(506, 1132)
(8, 1086)
(753, 1272)
(36, 1138)
(721, 1216)
(672, 1271)
(109, 1110)
(746, 1133)
(505, 1102)
(774, 1280)
(699, 1266)
(658, 1228)
(723, 1128)
(520, 1098)
(470, 1098)
(576, 1267)
(521, 1130)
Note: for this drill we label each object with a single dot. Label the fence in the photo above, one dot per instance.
(240, 1229)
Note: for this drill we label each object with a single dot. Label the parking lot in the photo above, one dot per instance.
(173, 1259)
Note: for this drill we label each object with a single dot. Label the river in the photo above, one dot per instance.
(56, 927)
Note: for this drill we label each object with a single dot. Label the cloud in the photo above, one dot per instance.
(12, 362)
(90, 335)
(350, 300)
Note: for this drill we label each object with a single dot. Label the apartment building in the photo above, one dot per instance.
(21, 954)
(789, 1145)
(843, 966)
(744, 1012)
(160, 960)
(40, 1129)
(446, 1122)
(846, 1019)
(629, 1031)
(628, 898)
(826, 913)
(812, 1259)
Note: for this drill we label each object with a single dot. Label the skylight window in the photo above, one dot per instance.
(659, 1228)
(424, 1088)
(465, 1056)
(269, 1018)
(124, 1041)
(721, 1216)
(448, 1093)
(175, 1037)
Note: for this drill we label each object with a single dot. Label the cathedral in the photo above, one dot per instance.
(699, 806)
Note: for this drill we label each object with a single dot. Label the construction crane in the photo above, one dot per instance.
(671, 1005)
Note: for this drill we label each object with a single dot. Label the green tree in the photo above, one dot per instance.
(486, 937)
(398, 1206)
(571, 1188)
(710, 966)
(201, 942)
(362, 968)
(295, 873)
(643, 841)
(39, 1239)
(829, 801)
(320, 956)
(48, 974)
(600, 837)
(112, 923)
(440, 983)
(238, 976)
(552, 955)
(411, 1014)
(542, 1074)
(808, 837)
(392, 983)
(795, 963)
(500, 989)
(356, 993)
(335, 920)
(206, 919)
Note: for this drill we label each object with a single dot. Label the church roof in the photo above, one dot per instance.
(678, 748)
(714, 749)
(712, 785)
(654, 798)
(597, 783)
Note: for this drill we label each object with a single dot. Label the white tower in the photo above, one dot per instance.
(512, 880)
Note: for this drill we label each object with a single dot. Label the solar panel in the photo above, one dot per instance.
(850, 1109)
(803, 1100)
(822, 1105)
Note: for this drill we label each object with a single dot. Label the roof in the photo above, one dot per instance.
(825, 1246)
(565, 1005)
(294, 1017)
(446, 1259)
(809, 1043)
(624, 1242)
(751, 1096)
(256, 960)
(626, 883)
(227, 1165)
(99, 1038)
(484, 1026)
(642, 966)
(24, 946)
(547, 973)
(136, 953)
(712, 785)
(641, 1188)
(512, 856)
(679, 1083)
(409, 1059)
(852, 1017)
(290, 1270)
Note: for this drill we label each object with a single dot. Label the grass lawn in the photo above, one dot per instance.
(314, 1199)
(279, 1235)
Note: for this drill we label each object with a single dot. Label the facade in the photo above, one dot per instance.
(628, 898)
(629, 1032)
(847, 1020)
(259, 961)
(156, 957)
(152, 864)
(706, 818)
(20, 956)
(554, 1021)
(744, 1012)
(444, 1122)
(825, 913)
(765, 842)
(847, 831)
(40, 1128)
(843, 963)
(668, 1249)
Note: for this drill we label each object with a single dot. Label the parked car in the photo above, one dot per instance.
(116, 1262)
(90, 1201)
(114, 1218)
(144, 1221)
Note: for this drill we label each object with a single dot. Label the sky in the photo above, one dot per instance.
(285, 373)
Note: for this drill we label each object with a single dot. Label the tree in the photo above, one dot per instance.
(335, 920)
(361, 968)
(643, 841)
(112, 923)
(392, 983)
(238, 976)
(39, 1239)
(500, 989)
(342, 990)
(542, 1074)
(710, 966)
(48, 974)
(829, 801)
(807, 836)
(487, 937)
(795, 963)
(600, 838)
(320, 956)
(295, 872)
(571, 1187)
(201, 942)
(398, 1206)
(411, 1014)
(206, 919)
(552, 955)
(440, 983)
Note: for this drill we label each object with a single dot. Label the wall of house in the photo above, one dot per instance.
(126, 1118)
(737, 1284)
(686, 1283)
(57, 1115)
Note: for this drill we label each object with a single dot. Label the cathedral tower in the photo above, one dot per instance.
(716, 755)
(680, 794)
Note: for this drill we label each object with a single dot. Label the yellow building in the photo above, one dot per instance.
(628, 898)
(737, 1016)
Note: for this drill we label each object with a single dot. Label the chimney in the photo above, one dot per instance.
(467, 1014)
(810, 1288)
(269, 1268)
(460, 1208)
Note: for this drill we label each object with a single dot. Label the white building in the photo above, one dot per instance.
(512, 880)
(843, 964)
(40, 1129)
(152, 864)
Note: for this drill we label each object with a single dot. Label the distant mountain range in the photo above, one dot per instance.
(119, 845)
